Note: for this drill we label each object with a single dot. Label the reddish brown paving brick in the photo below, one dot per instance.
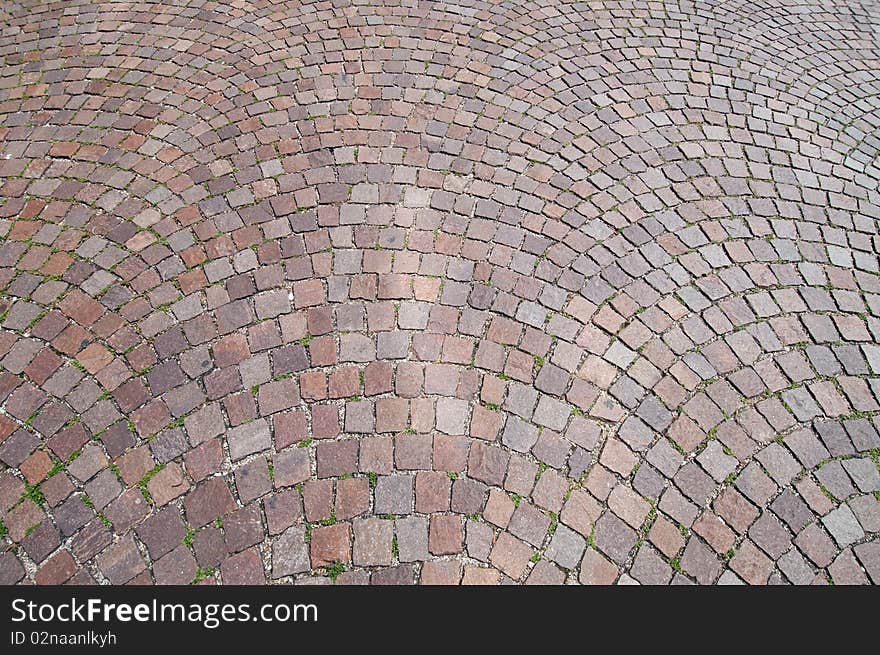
(487, 463)
(715, 532)
(392, 414)
(440, 572)
(751, 564)
(36, 467)
(325, 421)
(204, 460)
(445, 534)
(244, 568)
(510, 555)
(167, 484)
(313, 385)
(290, 427)
(476, 575)
(336, 458)
(308, 293)
(57, 569)
(344, 382)
(666, 537)
(580, 512)
(330, 544)
(485, 423)
(210, 499)
(317, 499)
(499, 508)
(596, 570)
(352, 497)
(450, 452)
(135, 464)
(432, 492)
(735, 509)
(377, 378)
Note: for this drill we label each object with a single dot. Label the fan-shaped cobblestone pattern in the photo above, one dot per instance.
(465, 292)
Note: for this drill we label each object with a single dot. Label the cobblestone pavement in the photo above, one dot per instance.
(440, 292)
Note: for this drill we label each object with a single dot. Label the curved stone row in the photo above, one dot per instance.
(438, 292)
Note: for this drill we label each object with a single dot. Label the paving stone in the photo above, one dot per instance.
(868, 555)
(394, 495)
(210, 500)
(72, 514)
(519, 435)
(666, 537)
(445, 534)
(629, 506)
(395, 575)
(452, 416)
(244, 568)
(290, 553)
(127, 510)
(796, 569)
(833, 477)
(161, 532)
(550, 491)
(545, 573)
(580, 512)
(843, 525)
(291, 467)
(735, 509)
(529, 524)
(487, 463)
(11, 569)
(209, 547)
(596, 570)
(60, 568)
(372, 542)
(814, 496)
(468, 496)
(566, 547)
(282, 510)
(864, 474)
(845, 570)
(755, 484)
(121, 562)
(336, 458)
(867, 510)
(700, 562)
(521, 475)
(715, 532)
(716, 462)
(243, 528)
(510, 555)
(770, 535)
(376, 455)
(412, 538)
(440, 572)
(695, 483)
(614, 538)
(43, 540)
(413, 451)
(678, 507)
(249, 438)
(177, 567)
(649, 568)
(167, 484)
(779, 463)
(807, 448)
(330, 544)
(815, 543)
